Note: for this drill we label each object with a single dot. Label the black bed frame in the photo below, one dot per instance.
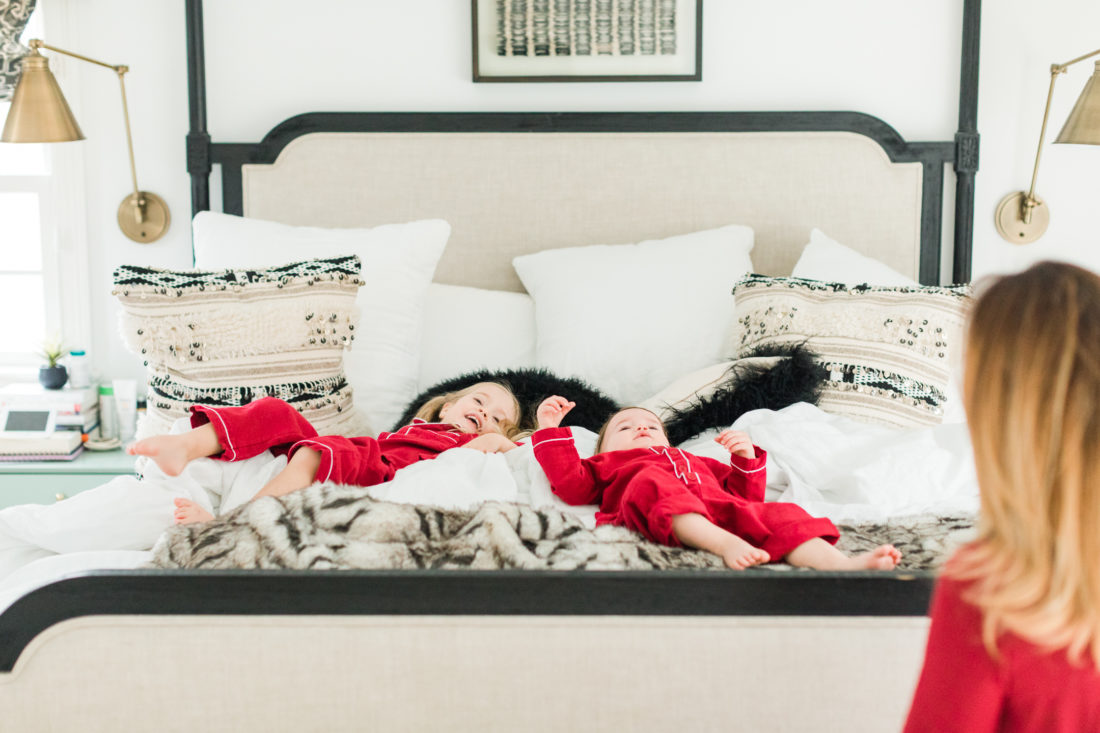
(496, 592)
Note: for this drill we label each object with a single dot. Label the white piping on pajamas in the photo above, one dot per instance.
(225, 430)
(551, 440)
(407, 428)
(683, 476)
(331, 458)
(747, 470)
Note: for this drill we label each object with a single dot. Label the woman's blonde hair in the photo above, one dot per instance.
(430, 410)
(603, 428)
(1032, 397)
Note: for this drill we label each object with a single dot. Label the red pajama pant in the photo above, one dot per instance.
(654, 497)
(272, 424)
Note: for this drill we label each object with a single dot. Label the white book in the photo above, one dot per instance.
(27, 394)
(60, 443)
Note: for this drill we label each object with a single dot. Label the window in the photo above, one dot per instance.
(28, 292)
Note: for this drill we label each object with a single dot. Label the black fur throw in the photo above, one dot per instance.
(530, 386)
(797, 378)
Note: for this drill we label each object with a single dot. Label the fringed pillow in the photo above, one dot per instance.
(228, 337)
(770, 378)
(530, 386)
(888, 351)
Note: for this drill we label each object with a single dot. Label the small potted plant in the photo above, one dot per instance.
(52, 375)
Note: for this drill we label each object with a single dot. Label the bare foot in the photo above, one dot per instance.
(188, 512)
(739, 554)
(169, 452)
(883, 557)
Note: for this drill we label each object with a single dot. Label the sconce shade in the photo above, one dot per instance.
(39, 112)
(1083, 125)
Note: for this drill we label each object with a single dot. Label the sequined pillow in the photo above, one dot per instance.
(228, 337)
(887, 351)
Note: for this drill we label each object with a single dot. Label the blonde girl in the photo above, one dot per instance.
(1014, 643)
(482, 416)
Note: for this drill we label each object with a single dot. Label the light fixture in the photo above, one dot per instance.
(1021, 217)
(40, 114)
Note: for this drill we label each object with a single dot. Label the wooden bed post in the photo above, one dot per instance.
(198, 139)
(966, 141)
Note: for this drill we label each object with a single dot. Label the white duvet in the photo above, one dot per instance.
(830, 465)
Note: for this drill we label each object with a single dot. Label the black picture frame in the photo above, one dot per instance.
(682, 31)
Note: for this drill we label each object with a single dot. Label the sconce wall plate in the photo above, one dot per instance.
(1011, 225)
(149, 226)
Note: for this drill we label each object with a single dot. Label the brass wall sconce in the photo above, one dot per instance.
(1022, 218)
(40, 114)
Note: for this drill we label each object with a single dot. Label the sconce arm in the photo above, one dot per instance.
(1029, 202)
(36, 44)
(120, 69)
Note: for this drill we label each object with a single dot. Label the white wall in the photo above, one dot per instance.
(269, 59)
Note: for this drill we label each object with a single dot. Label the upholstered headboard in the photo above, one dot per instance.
(507, 194)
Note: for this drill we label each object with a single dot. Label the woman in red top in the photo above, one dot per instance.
(479, 417)
(675, 498)
(1014, 643)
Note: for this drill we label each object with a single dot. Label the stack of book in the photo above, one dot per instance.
(75, 415)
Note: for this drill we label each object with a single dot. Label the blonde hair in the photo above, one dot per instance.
(603, 428)
(430, 410)
(1032, 397)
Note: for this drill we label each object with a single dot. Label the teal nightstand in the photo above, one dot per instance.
(44, 482)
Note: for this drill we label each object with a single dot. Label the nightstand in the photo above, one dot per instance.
(44, 482)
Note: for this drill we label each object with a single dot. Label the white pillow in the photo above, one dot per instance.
(398, 263)
(630, 318)
(826, 259)
(467, 329)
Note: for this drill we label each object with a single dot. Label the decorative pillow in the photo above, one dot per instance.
(713, 398)
(888, 351)
(472, 328)
(228, 337)
(398, 263)
(530, 386)
(826, 259)
(630, 318)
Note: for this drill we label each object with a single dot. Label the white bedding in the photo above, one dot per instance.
(830, 465)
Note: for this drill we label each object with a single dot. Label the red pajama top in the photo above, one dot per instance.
(604, 477)
(1028, 690)
(367, 461)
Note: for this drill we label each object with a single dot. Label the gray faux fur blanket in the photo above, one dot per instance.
(329, 526)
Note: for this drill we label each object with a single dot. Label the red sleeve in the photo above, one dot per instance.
(571, 478)
(744, 477)
(960, 688)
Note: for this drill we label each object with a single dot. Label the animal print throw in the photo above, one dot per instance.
(329, 526)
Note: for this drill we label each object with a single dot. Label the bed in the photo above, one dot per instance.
(406, 649)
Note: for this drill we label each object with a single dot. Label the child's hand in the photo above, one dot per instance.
(491, 443)
(552, 410)
(736, 442)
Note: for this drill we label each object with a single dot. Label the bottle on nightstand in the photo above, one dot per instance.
(80, 369)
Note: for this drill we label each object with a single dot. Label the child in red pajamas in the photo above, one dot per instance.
(676, 498)
(478, 417)
(1014, 643)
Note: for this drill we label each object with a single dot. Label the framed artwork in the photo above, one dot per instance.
(587, 40)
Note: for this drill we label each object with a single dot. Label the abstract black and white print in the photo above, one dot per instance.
(587, 40)
(585, 27)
